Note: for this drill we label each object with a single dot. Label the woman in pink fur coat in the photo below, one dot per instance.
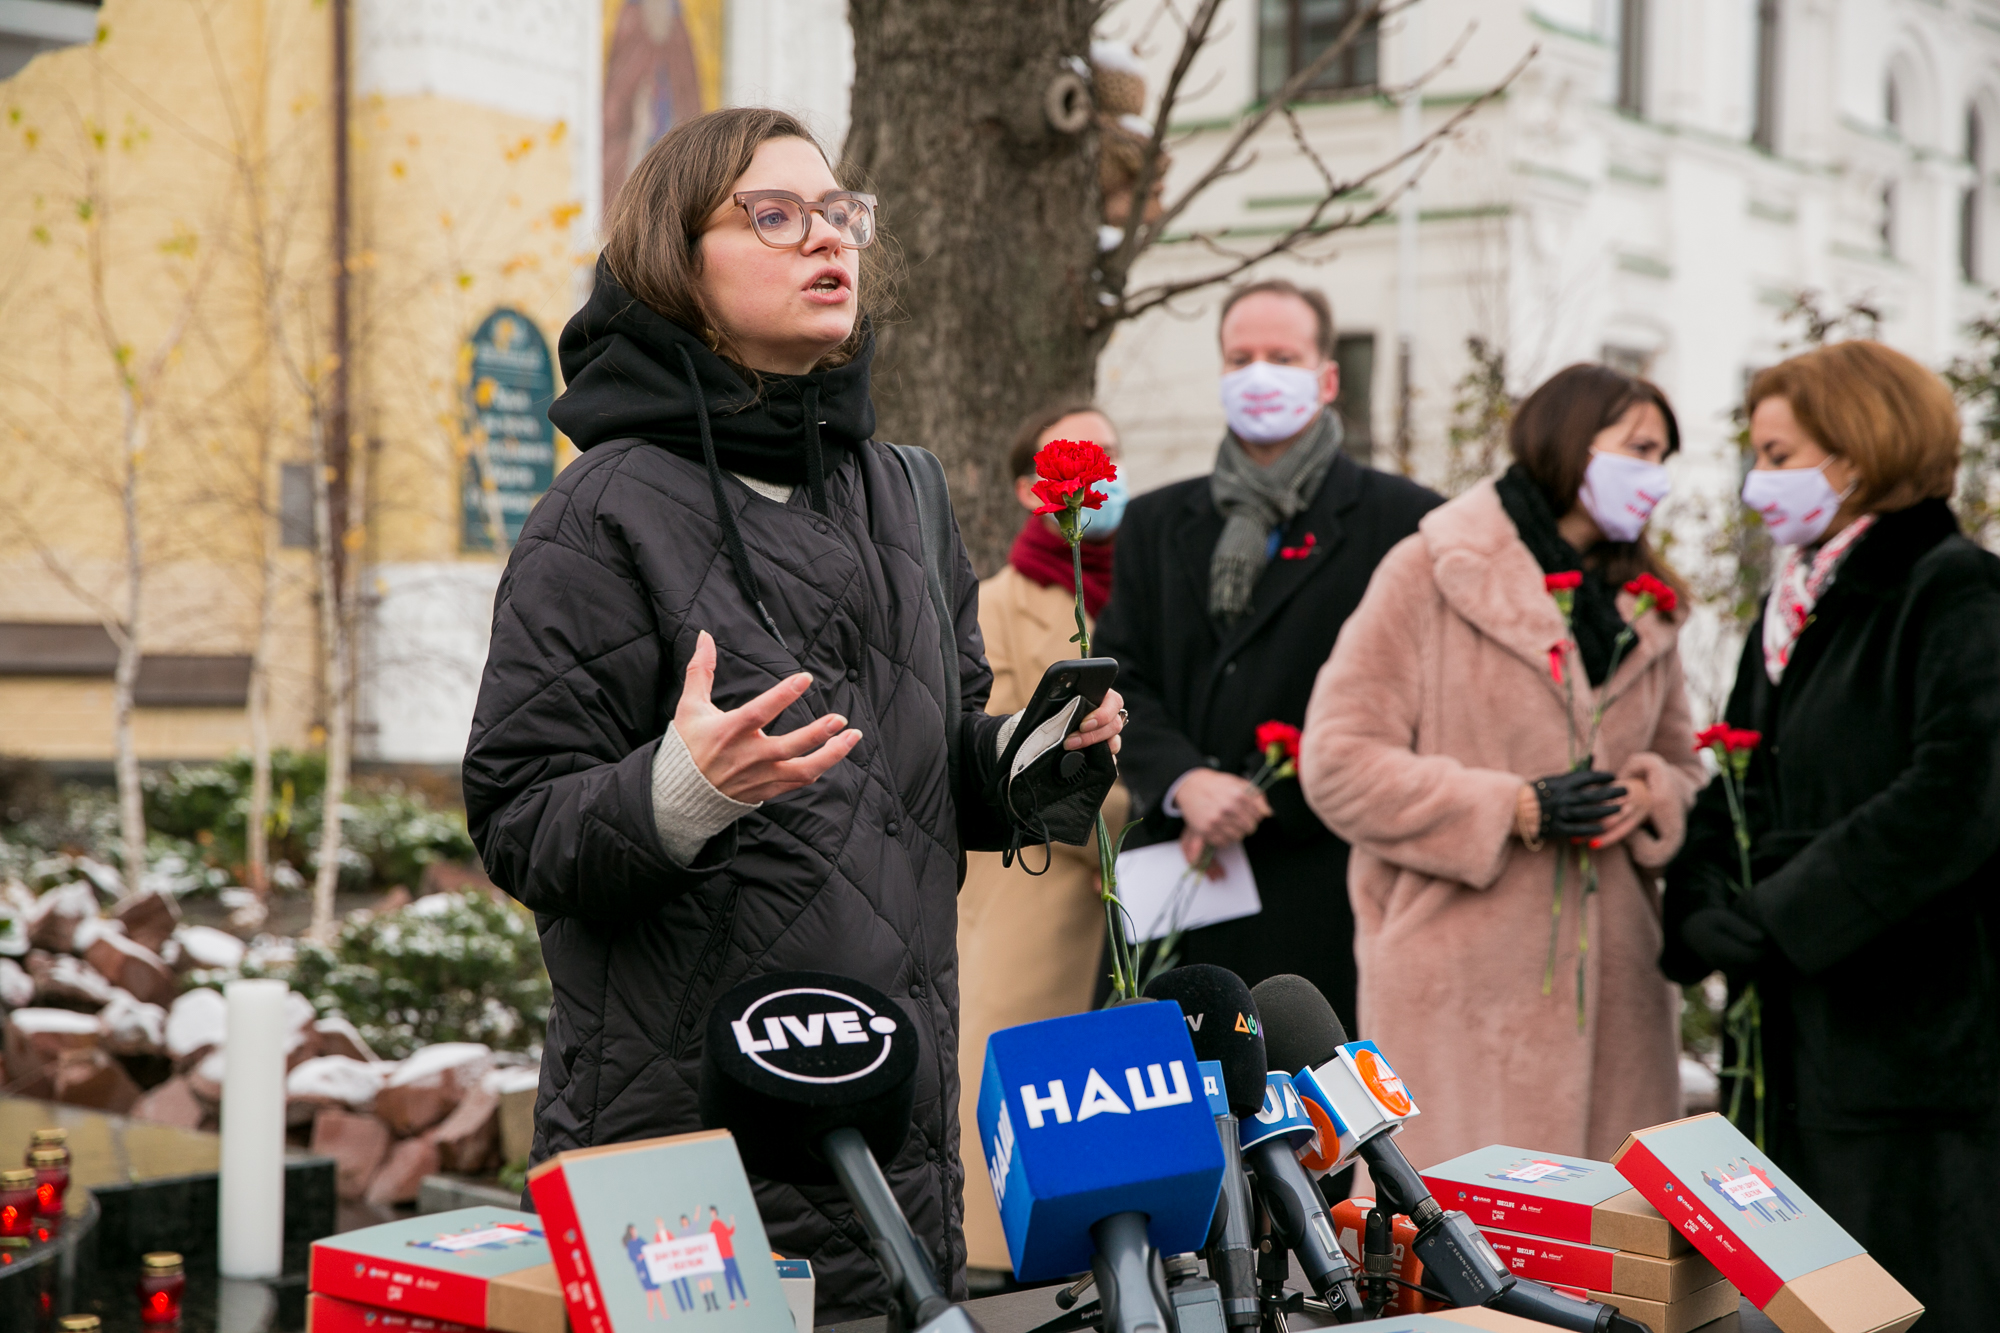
(1450, 740)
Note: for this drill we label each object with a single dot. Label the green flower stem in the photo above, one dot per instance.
(1745, 1019)
(1555, 920)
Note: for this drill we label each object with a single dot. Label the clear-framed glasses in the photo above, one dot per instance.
(782, 219)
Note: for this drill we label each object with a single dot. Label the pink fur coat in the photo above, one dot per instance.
(1437, 704)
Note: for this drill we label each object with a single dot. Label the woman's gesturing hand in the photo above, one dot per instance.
(731, 749)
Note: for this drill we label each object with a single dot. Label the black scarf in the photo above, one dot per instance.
(634, 374)
(622, 364)
(1595, 620)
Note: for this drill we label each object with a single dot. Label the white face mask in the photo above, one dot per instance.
(1264, 403)
(1620, 494)
(1797, 503)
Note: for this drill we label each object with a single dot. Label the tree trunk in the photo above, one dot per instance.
(258, 819)
(335, 650)
(125, 680)
(996, 213)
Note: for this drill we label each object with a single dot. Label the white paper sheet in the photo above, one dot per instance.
(1156, 887)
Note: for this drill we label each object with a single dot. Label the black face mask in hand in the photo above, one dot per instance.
(1575, 805)
(1052, 794)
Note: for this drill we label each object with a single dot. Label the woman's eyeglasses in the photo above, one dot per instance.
(782, 219)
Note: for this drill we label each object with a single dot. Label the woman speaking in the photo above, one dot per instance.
(711, 740)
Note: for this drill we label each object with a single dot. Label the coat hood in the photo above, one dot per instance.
(625, 367)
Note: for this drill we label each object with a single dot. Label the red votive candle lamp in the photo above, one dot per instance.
(17, 1202)
(47, 1138)
(162, 1281)
(51, 1168)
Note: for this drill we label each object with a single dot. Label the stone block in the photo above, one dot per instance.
(401, 1176)
(172, 1103)
(356, 1143)
(92, 1078)
(132, 1026)
(468, 1140)
(149, 917)
(205, 1080)
(57, 914)
(36, 1042)
(66, 982)
(516, 1089)
(336, 1080)
(123, 961)
(195, 1026)
(426, 1087)
(17, 988)
(207, 947)
(337, 1036)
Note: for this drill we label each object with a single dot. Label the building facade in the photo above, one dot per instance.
(1653, 189)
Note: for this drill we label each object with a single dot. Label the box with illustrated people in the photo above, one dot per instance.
(627, 1236)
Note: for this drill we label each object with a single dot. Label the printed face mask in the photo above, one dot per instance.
(1620, 494)
(1264, 403)
(1796, 503)
(1102, 521)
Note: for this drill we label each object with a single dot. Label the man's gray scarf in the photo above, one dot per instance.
(1256, 500)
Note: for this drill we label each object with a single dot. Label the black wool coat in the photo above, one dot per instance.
(619, 566)
(1198, 690)
(1874, 807)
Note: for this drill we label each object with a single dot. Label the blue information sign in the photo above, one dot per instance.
(507, 382)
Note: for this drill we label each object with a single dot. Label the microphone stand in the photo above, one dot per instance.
(920, 1303)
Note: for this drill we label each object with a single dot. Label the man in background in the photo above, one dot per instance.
(1227, 595)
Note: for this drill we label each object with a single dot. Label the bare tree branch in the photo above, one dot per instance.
(1138, 233)
(1426, 148)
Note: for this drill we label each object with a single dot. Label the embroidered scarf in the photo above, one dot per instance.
(1802, 578)
(1042, 556)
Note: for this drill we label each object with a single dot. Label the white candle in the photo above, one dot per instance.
(253, 1130)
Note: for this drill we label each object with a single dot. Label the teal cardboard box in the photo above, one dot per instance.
(1752, 1221)
(659, 1229)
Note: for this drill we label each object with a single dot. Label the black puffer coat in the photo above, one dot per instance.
(618, 568)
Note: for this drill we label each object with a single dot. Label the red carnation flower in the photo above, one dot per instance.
(1281, 734)
(1741, 740)
(1068, 469)
(1647, 586)
(1709, 737)
(1567, 581)
(1556, 661)
(1730, 740)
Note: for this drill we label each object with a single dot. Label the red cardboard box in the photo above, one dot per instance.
(1545, 1194)
(1599, 1268)
(330, 1314)
(1753, 1222)
(484, 1267)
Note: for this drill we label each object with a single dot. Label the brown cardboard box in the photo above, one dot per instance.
(1766, 1235)
(1690, 1312)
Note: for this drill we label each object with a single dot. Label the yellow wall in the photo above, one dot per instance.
(169, 158)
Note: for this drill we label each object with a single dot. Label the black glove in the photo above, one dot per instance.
(1575, 805)
(1050, 794)
(1727, 936)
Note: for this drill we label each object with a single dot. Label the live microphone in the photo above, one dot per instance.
(1100, 1154)
(815, 1075)
(1367, 1104)
(1222, 1023)
(1271, 1140)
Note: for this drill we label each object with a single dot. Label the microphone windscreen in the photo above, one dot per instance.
(791, 1056)
(1223, 1023)
(1301, 1031)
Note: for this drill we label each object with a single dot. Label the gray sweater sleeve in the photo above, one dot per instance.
(687, 809)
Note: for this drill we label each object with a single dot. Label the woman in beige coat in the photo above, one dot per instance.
(1028, 944)
(1449, 739)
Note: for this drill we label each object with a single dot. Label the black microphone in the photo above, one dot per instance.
(1291, 1200)
(1301, 1032)
(815, 1076)
(1221, 1021)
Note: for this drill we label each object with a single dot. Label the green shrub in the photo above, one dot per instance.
(389, 834)
(449, 967)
